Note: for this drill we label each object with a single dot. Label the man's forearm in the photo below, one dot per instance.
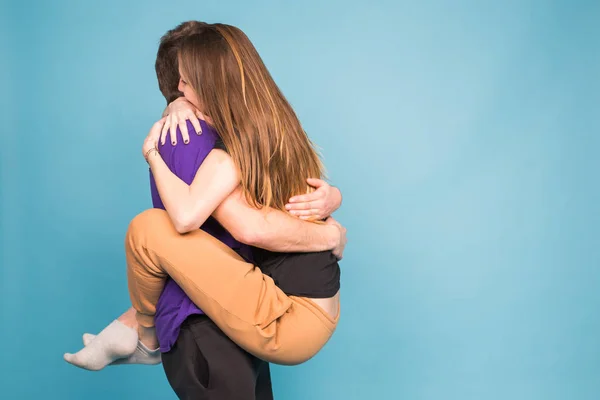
(273, 229)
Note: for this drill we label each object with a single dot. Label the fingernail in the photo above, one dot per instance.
(173, 143)
(186, 141)
(288, 206)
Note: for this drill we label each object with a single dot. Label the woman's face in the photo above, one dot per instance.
(187, 90)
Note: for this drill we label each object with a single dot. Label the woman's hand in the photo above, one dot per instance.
(177, 114)
(317, 205)
(151, 141)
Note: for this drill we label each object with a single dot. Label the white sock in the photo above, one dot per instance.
(141, 355)
(87, 338)
(115, 341)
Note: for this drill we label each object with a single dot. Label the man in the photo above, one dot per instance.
(199, 360)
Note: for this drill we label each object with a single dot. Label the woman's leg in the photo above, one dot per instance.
(243, 302)
(116, 344)
(118, 340)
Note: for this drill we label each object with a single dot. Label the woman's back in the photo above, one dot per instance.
(314, 275)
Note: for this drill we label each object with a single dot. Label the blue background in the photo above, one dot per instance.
(464, 136)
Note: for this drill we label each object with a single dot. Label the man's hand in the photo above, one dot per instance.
(338, 251)
(177, 113)
(317, 205)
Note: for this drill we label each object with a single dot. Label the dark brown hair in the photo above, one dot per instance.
(167, 69)
(257, 124)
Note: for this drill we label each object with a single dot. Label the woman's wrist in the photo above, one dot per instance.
(151, 153)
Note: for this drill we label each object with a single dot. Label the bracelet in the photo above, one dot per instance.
(148, 153)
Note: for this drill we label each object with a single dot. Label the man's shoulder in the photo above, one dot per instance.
(209, 134)
(204, 141)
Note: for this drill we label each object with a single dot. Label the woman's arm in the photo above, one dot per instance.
(190, 206)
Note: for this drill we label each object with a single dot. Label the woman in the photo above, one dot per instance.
(269, 153)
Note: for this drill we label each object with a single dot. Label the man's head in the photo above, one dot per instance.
(167, 68)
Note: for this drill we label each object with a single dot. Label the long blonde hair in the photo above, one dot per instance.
(255, 121)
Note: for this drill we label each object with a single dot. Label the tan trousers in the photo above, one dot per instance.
(245, 304)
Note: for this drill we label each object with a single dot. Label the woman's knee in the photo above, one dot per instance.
(153, 217)
(148, 221)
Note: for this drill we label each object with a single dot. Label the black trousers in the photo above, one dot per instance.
(205, 364)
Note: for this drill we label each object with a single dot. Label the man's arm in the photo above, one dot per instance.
(272, 229)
